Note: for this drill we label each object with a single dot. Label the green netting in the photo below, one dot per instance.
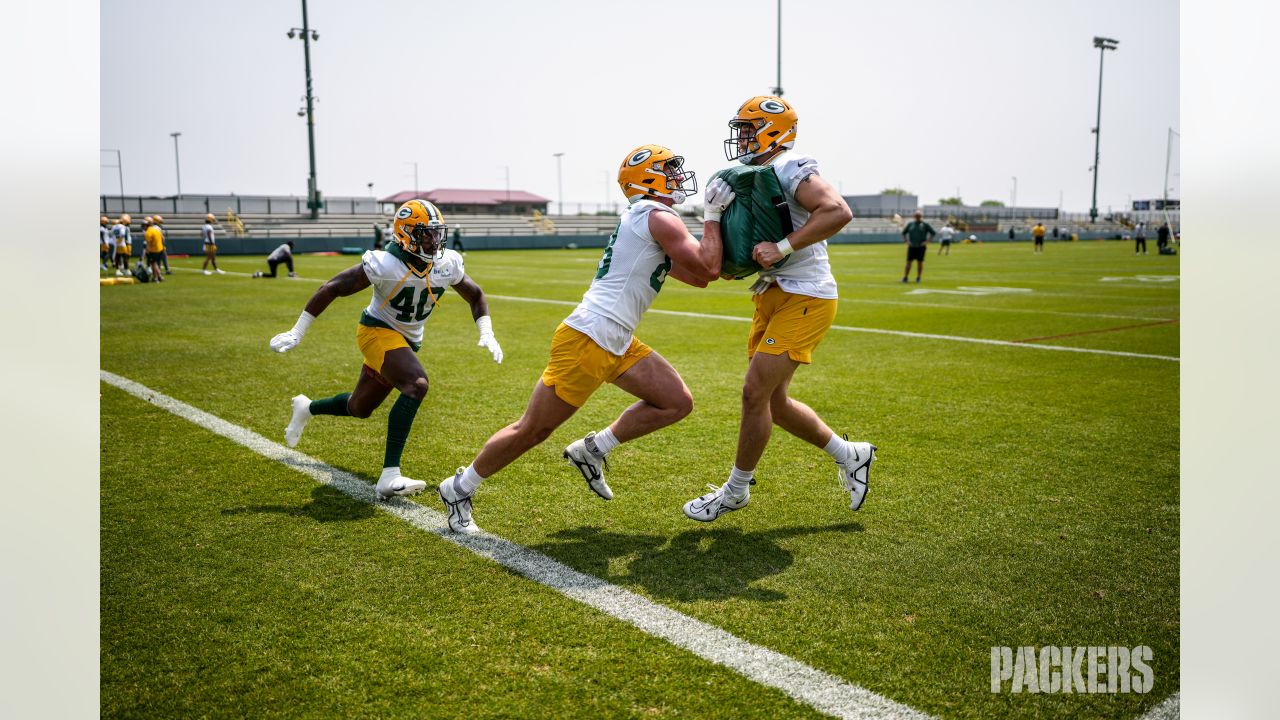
(757, 214)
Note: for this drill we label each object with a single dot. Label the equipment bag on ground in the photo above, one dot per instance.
(758, 213)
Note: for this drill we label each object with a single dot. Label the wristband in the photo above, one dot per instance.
(304, 322)
(709, 216)
(484, 324)
(785, 248)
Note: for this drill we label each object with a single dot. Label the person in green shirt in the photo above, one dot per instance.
(916, 235)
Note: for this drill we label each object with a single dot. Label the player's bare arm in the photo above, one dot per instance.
(699, 261)
(827, 214)
(348, 282)
(469, 291)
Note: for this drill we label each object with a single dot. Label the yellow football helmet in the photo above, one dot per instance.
(147, 220)
(655, 171)
(158, 220)
(125, 219)
(104, 221)
(763, 124)
(420, 230)
(210, 218)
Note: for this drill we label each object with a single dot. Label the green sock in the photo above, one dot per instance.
(398, 423)
(336, 405)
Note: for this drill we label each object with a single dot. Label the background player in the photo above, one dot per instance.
(121, 239)
(281, 255)
(794, 307)
(408, 280)
(596, 343)
(210, 246)
(916, 235)
(104, 242)
(154, 239)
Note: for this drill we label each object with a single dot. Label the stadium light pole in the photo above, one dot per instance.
(559, 183)
(777, 89)
(313, 192)
(176, 165)
(120, 168)
(1168, 155)
(1103, 45)
(1013, 200)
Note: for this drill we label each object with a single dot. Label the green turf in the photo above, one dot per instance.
(1021, 497)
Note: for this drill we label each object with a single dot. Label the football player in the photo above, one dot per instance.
(120, 234)
(104, 242)
(154, 239)
(164, 237)
(210, 246)
(595, 343)
(794, 307)
(407, 280)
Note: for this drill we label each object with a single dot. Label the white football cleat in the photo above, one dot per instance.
(458, 506)
(855, 472)
(206, 272)
(301, 414)
(714, 504)
(591, 466)
(220, 271)
(398, 486)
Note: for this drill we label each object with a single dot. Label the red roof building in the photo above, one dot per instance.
(453, 201)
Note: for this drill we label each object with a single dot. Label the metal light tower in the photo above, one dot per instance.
(119, 167)
(313, 193)
(1103, 45)
(176, 165)
(777, 89)
(1013, 200)
(559, 183)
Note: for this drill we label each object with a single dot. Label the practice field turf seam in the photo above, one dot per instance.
(815, 688)
(849, 328)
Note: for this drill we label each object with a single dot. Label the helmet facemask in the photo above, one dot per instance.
(426, 241)
(681, 183)
(742, 144)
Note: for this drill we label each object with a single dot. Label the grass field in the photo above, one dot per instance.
(1022, 496)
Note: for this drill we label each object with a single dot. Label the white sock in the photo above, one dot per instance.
(837, 448)
(739, 483)
(469, 481)
(604, 442)
(390, 473)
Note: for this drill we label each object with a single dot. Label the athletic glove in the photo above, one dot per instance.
(288, 340)
(487, 340)
(718, 197)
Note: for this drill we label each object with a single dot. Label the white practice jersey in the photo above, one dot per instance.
(403, 298)
(808, 271)
(946, 233)
(206, 232)
(628, 278)
(281, 253)
(120, 235)
(104, 237)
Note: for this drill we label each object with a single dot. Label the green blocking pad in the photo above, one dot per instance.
(757, 214)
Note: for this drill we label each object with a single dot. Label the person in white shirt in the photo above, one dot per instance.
(944, 236)
(210, 246)
(794, 307)
(407, 280)
(596, 343)
(121, 241)
(105, 244)
(282, 255)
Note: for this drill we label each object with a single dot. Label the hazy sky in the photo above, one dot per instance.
(933, 96)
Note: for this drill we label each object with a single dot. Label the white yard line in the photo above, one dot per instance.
(878, 331)
(1169, 709)
(847, 328)
(815, 688)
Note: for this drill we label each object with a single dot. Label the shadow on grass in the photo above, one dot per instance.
(694, 565)
(326, 505)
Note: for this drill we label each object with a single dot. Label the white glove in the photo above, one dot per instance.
(288, 340)
(718, 197)
(487, 339)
